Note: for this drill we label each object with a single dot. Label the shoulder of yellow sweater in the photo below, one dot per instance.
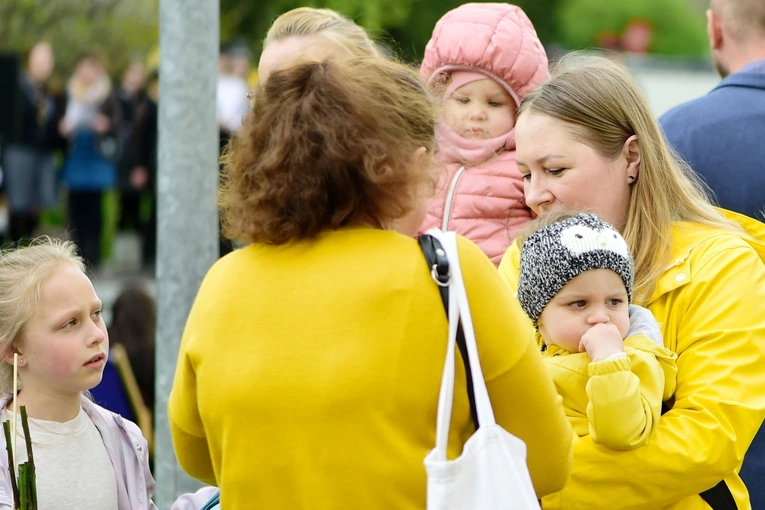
(471, 256)
(233, 259)
(341, 239)
(510, 266)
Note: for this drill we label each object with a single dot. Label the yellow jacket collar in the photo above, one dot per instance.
(678, 272)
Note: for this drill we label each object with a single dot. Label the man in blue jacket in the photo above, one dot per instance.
(722, 134)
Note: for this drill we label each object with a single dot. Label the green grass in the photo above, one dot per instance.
(110, 208)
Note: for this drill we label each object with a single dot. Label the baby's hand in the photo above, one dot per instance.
(601, 341)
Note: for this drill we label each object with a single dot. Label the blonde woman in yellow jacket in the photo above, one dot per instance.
(310, 366)
(587, 140)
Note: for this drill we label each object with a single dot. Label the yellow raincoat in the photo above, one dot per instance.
(710, 304)
(615, 401)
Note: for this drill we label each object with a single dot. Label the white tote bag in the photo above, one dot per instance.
(491, 473)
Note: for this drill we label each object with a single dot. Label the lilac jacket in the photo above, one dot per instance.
(127, 449)
(479, 196)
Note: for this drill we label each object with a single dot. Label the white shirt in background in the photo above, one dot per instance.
(233, 104)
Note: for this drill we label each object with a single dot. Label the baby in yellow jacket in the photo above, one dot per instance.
(606, 356)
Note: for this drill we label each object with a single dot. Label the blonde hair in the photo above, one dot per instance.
(22, 274)
(604, 106)
(334, 27)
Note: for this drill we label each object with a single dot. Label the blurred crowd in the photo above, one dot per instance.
(65, 148)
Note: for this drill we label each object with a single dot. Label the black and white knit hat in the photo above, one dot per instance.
(553, 255)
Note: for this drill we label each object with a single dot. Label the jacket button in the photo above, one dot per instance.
(139, 448)
(680, 277)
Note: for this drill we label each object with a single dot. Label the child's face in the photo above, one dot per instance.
(89, 70)
(65, 343)
(594, 297)
(480, 110)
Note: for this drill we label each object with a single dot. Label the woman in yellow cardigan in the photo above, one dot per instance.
(310, 366)
(587, 140)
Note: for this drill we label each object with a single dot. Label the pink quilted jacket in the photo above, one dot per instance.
(483, 200)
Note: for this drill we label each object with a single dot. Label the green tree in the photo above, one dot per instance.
(120, 29)
(250, 20)
(404, 25)
(678, 26)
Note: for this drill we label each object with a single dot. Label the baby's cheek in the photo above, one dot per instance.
(623, 325)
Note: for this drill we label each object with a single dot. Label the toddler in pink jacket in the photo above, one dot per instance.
(483, 58)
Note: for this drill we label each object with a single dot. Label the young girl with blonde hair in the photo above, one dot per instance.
(50, 318)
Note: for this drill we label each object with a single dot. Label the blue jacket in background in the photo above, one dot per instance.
(85, 168)
(722, 136)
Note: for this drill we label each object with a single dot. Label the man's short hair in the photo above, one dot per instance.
(744, 19)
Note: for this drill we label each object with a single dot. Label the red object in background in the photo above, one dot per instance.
(608, 40)
(637, 36)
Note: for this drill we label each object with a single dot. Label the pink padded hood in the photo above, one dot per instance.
(497, 39)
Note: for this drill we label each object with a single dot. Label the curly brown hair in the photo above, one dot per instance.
(327, 144)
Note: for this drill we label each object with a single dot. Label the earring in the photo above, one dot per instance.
(21, 361)
(631, 179)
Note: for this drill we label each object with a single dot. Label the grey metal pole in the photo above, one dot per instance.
(187, 218)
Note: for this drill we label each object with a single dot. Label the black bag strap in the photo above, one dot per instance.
(718, 497)
(439, 270)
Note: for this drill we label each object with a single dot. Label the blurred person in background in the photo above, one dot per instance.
(91, 124)
(131, 93)
(133, 325)
(142, 178)
(240, 60)
(232, 89)
(721, 134)
(232, 101)
(28, 166)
